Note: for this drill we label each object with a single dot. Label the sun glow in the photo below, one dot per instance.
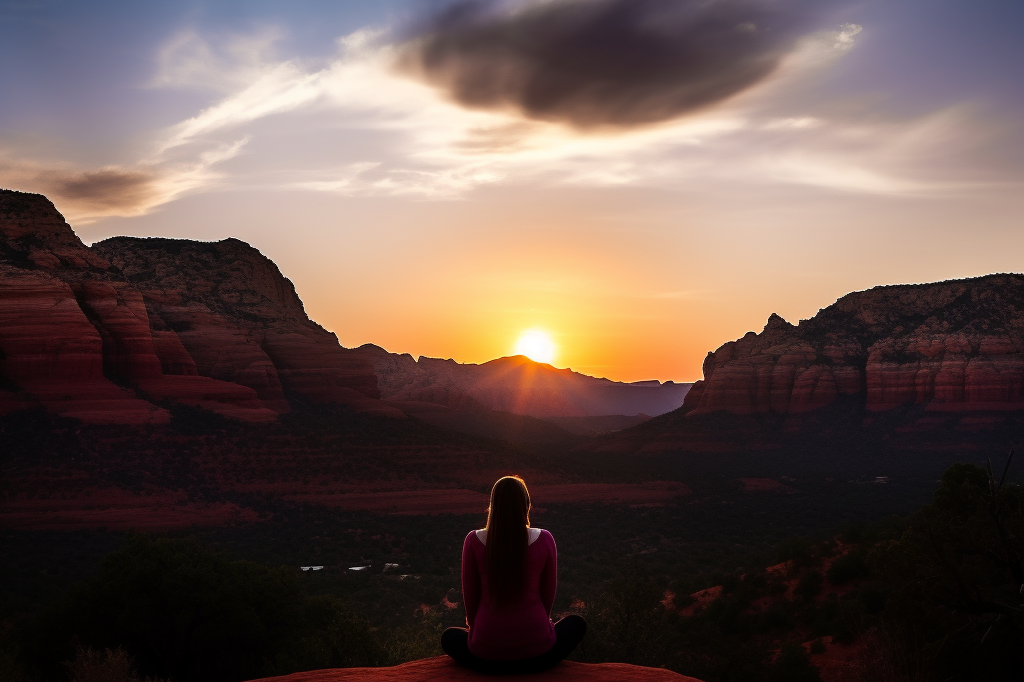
(536, 345)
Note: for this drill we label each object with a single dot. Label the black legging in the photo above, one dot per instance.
(569, 632)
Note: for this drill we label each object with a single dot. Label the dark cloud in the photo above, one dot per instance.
(592, 63)
(107, 189)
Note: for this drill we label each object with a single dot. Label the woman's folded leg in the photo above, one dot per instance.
(455, 643)
(569, 632)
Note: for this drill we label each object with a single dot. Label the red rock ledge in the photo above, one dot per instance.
(443, 669)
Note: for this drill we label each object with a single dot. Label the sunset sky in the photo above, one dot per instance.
(641, 179)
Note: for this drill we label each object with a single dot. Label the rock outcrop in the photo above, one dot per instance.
(443, 668)
(517, 385)
(213, 325)
(954, 346)
(51, 354)
(229, 309)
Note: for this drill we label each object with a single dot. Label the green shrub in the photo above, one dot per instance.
(798, 550)
(625, 622)
(809, 586)
(793, 665)
(955, 576)
(115, 665)
(189, 614)
(848, 567)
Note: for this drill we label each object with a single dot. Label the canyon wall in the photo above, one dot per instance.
(950, 346)
(232, 312)
(108, 334)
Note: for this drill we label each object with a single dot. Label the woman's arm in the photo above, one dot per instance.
(549, 575)
(470, 580)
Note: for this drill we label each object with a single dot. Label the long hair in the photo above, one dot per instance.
(508, 517)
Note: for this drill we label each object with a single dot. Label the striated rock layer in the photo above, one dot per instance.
(103, 334)
(224, 310)
(443, 668)
(949, 346)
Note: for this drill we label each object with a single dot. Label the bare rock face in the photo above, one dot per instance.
(52, 355)
(517, 385)
(444, 668)
(51, 352)
(239, 320)
(213, 325)
(951, 346)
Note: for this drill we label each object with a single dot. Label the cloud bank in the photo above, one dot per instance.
(605, 63)
(350, 124)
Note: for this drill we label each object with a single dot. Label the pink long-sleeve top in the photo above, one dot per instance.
(522, 629)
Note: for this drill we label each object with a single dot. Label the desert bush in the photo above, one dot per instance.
(12, 669)
(626, 621)
(847, 568)
(798, 550)
(418, 639)
(190, 614)
(954, 611)
(793, 665)
(108, 665)
(809, 586)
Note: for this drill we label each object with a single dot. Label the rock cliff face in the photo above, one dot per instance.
(228, 309)
(214, 325)
(951, 346)
(518, 385)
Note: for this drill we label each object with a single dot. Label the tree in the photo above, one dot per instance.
(958, 577)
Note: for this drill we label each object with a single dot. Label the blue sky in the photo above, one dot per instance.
(883, 145)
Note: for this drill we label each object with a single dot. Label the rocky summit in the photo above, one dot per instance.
(955, 346)
(110, 334)
(224, 310)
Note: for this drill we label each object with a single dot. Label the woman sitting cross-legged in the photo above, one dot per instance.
(508, 585)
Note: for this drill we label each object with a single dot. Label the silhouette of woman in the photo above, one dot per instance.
(509, 575)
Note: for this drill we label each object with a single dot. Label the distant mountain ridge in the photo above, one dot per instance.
(519, 385)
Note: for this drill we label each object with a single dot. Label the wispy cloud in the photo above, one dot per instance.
(87, 195)
(281, 88)
(188, 60)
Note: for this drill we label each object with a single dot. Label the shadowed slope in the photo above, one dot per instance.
(519, 385)
(240, 319)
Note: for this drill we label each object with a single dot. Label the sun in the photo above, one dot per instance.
(536, 345)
